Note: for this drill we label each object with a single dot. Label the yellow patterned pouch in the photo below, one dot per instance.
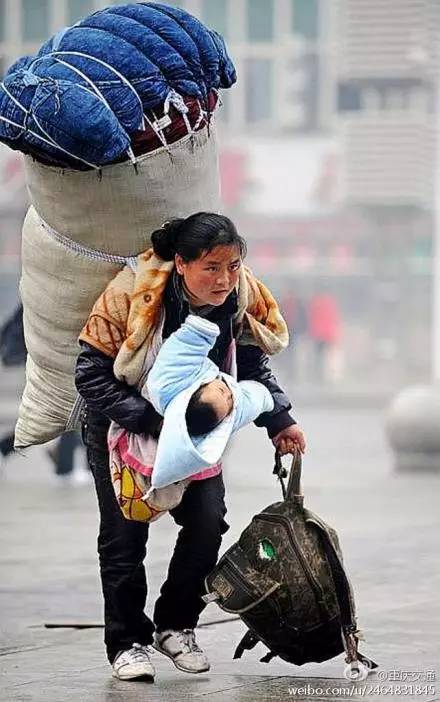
(131, 487)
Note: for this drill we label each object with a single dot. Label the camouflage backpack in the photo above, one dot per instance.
(286, 580)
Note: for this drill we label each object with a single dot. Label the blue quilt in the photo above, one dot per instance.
(78, 102)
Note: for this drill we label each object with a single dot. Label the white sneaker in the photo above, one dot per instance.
(183, 650)
(82, 476)
(134, 664)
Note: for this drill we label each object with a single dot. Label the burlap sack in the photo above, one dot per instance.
(75, 218)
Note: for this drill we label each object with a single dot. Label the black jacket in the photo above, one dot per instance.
(122, 403)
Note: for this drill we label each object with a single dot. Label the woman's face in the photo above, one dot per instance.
(211, 277)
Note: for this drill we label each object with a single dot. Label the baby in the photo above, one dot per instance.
(209, 406)
(201, 405)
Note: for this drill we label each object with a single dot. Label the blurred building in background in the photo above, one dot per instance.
(387, 67)
(327, 162)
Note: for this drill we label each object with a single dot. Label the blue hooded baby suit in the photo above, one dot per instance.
(181, 367)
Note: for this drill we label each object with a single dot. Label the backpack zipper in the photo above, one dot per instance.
(238, 577)
(314, 584)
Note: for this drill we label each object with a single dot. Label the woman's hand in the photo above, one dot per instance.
(289, 440)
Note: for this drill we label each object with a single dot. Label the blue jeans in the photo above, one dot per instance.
(122, 549)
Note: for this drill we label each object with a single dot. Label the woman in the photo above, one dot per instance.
(195, 267)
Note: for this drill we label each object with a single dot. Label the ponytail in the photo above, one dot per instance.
(164, 240)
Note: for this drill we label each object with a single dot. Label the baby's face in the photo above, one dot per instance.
(218, 395)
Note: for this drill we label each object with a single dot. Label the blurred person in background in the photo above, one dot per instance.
(62, 453)
(294, 311)
(12, 353)
(324, 330)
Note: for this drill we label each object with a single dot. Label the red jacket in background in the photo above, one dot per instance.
(324, 319)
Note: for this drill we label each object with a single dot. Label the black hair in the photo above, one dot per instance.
(199, 232)
(200, 416)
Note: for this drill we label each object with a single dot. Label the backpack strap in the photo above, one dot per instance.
(280, 472)
(248, 641)
(293, 491)
(268, 657)
(342, 585)
(294, 485)
(350, 632)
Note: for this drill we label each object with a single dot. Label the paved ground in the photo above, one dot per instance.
(388, 526)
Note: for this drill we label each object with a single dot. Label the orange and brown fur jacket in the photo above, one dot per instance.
(125, 320)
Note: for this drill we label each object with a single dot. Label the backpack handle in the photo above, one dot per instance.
(293, 490)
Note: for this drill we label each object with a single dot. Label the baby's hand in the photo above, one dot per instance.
(289, 440)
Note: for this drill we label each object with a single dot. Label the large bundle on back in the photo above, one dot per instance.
(114, 118)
